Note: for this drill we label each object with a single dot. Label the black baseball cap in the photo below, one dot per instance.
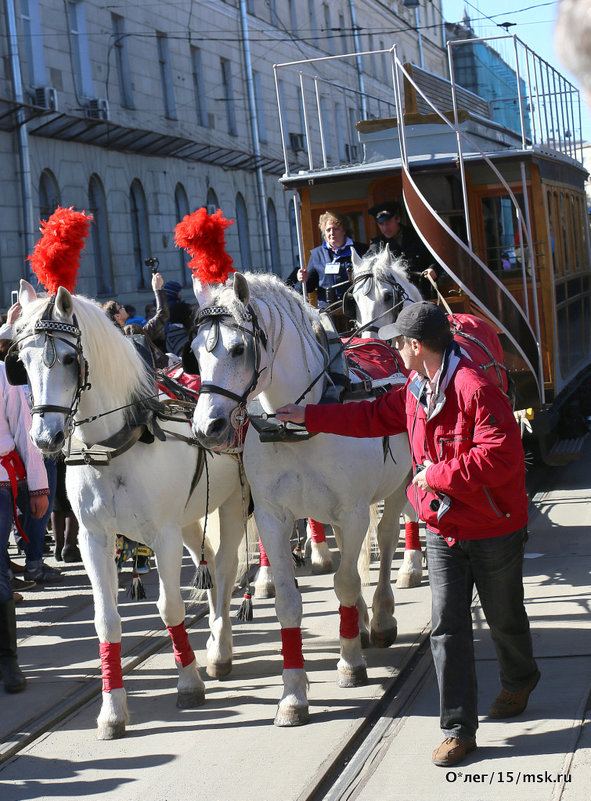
(384, 211)
(421, 320)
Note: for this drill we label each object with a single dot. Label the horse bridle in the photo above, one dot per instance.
(222, 315)
(349, 304)
(51, 330)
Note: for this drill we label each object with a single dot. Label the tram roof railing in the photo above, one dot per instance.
(337, 100)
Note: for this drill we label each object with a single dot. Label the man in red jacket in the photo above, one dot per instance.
(469, 488)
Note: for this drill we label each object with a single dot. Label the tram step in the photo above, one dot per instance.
(565, 450)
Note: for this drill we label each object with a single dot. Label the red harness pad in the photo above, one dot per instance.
(190, 382)
(471, 334)
(373, 358)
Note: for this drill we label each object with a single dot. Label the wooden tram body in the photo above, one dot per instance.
(503, 211)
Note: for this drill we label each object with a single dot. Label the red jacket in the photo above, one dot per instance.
(472, 438)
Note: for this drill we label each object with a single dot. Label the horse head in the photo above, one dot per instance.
(380, 289)
(229, 346)
(49, 348)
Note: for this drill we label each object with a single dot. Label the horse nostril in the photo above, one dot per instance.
(216, 427)
(57, 441)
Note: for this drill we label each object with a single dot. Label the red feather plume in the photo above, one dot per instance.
(202, 236)
(56, 257)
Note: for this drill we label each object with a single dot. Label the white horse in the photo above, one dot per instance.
(256, 338)
(379, 290)
(83, 371)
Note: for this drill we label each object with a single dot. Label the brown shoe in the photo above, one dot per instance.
(17, 597)
(508, 705)
(452, 751)
(20, 585)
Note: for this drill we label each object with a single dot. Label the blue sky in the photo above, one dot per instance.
(534, 24)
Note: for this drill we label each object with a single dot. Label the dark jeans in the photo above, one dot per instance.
(6, 518)
(495, 566)
(36, 528)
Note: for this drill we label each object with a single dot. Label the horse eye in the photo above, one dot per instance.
(237, 350)
(388, 295)
(67, 360)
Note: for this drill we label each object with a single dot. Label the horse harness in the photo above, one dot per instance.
(349, 305)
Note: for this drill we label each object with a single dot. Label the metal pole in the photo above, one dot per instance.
(23, 134)
(320, 123)
(420, 38)
(358, 58)
(281, 120)
(460, 152)
(298, 223)
(519, 95)
(254, 131)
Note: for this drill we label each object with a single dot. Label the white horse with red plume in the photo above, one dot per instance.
(132, 467)
(255, 338)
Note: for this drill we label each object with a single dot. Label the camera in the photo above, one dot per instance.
(14, 297)
(152, 263)
(417, 469)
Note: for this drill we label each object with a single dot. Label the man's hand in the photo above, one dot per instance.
(157, 282)
(13, 313)
(39, 505)
(302, 274)
(420, 480)
(291, 413)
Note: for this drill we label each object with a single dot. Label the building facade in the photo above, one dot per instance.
(141, 113)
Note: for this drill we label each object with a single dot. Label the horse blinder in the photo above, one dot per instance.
(349, 306)
(16, 373)
(189, 360)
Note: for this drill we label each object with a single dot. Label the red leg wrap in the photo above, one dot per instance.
(316, 531)
(291, 648)
(411, 535)
(263, 558)
(183, 653)
(349, 622)
(111, 666)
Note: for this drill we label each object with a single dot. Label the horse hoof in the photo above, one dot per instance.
(322, 568)
(364, 638)
(111, 731)
(218, 670)
(292, 716)
(407, 580)
(190, 700)
(264, 591)
(384, 639)
(352, 677)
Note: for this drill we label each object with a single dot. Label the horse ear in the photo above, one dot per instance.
(355, 259)
(26, 292)
(241, 288)
(63, 303)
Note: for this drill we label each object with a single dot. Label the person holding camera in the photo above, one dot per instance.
(154, 327)
(468, 487)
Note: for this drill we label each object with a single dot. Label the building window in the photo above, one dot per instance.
(293, 17)
(181, 205)
(313, 20)
(384, 60)
(243, 233)
(250, 6)
(212, 201)
(344, 38)
(328, 30)
(100, 237)
(199, 87)
(166, 76)
(49, 194)
(33, 41)
(140, 231)
(260, 108)
(274, 17)
(273, 237)
(122, 57)
(326, 126)
(338, 113)
(372, 58)
(302, 118)
(80, 49)
(229, 96)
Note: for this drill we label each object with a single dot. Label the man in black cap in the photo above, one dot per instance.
(403, 241)
(469, 489)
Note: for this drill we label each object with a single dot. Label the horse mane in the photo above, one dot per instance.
(113, 361)
(269, 290)
(387, 268)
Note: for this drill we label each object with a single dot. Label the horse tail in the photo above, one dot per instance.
(369, 547)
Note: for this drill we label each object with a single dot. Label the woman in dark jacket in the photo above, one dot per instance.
(329, 265)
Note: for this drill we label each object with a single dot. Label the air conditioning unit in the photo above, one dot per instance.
(297, 141)
(45, 97)
(97, 109)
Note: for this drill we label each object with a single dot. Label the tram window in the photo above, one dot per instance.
(501, 232)
(551, 223)
(567, 260)
(574, 212)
